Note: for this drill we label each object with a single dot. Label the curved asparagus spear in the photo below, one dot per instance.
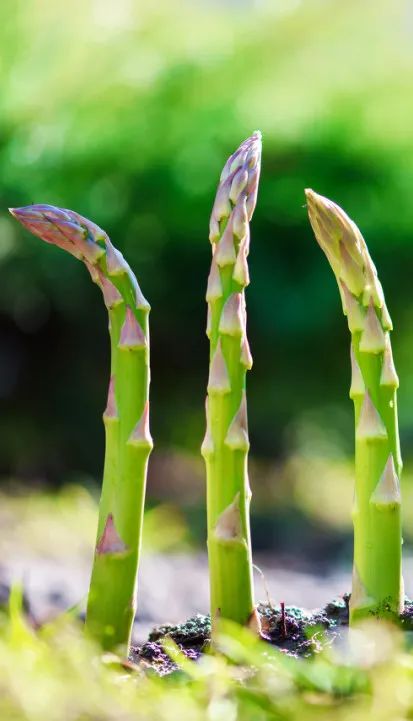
(226, 443)
(377, 580)
(111, 602)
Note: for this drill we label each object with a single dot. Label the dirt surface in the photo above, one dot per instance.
(293, 630)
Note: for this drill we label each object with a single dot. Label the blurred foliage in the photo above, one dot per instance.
(126, 112)
(61, 526)
(56, 674)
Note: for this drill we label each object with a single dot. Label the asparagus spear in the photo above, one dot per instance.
(377, 580)
(226, 444)
(111, 601)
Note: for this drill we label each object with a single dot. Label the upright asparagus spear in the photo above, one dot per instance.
(226, 443)
(111, 602)
(377, 581)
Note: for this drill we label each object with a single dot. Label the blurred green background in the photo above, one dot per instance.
(125, 111)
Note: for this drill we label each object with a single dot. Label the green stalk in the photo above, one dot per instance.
(226, 444)
(112, 594)
(377, 575)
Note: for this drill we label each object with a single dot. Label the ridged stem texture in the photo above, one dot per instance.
(377, 586)
(225, 446)
(112, 594)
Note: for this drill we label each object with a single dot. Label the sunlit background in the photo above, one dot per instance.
(125, 111)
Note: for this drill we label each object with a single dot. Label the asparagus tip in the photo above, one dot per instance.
(238, 186)
(64, 228)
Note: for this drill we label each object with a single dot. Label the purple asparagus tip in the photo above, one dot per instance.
(64, 228)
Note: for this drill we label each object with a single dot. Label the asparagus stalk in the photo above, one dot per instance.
(111, 601)
(225, 446)
(377, 579)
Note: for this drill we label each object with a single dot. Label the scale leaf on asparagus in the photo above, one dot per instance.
(377, 574)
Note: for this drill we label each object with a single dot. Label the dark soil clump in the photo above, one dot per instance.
(293, 630)
(192, 638)
(299, 632)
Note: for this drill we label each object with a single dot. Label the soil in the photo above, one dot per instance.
(293, 630)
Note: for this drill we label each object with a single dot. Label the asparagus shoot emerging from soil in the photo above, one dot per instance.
(377, 580)
(225, 446)
(111, 601)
